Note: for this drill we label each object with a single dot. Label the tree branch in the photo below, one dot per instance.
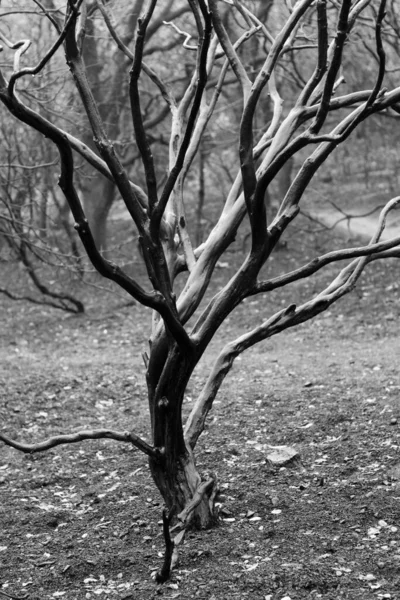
(174, 173)
(230, 51)
(136, 112)
(255, 204)
(80, 436)
(322, 261)
(292, 315)
(49, 54)
(197, 497)
(321, 67)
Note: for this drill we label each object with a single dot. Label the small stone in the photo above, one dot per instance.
(394, 472)
(283, 456)
(393, 421)
(370, 401)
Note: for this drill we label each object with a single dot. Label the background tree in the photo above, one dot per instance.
(45, 214)
(320, 118)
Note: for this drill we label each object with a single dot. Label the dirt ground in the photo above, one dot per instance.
(83, 521)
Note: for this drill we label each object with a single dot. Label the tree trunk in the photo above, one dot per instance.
(98, 199)
(178, 482)
(174, 472)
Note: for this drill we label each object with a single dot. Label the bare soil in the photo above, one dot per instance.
(83, 521)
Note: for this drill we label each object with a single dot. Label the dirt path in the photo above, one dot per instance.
(363, 227)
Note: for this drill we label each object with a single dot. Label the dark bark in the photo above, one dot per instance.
(175, 473)
(178, 482)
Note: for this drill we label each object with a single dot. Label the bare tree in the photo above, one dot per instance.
(319, 119)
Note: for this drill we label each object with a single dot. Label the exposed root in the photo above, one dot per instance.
(184, 516)
(171, 556)
(165, 572)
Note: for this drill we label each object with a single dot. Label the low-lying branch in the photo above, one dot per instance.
(73, 438)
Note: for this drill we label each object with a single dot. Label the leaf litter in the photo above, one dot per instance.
(84, 521)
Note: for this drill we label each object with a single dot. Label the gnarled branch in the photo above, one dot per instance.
(80, 436)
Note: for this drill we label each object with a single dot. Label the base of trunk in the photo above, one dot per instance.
(189, 504)
(186, 496)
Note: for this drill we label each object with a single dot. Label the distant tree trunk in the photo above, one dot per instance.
(201, 196)
(98, 199)
(42, 217)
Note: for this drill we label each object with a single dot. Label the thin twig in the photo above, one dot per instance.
(186, 35)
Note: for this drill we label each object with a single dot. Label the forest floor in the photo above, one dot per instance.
(83, 521)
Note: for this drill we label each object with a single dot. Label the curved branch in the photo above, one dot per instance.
(221, 367)
(136, 111)
(48, 14)
(185, 34)
(198, 496)
(76, 308)
(21, 47)
(340, 39)
(89, 434)
(49, 54)
(322, 261)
